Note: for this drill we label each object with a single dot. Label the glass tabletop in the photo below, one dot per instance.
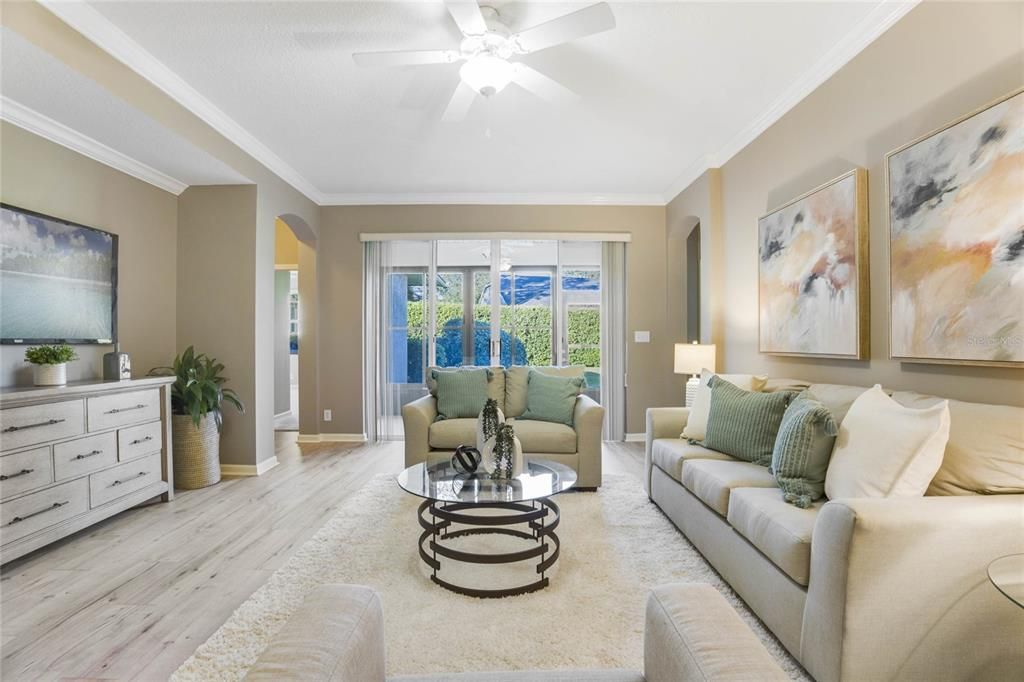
(440, 481)
(1007, 574)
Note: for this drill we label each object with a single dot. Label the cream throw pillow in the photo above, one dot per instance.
(697, 423)
(885, 449)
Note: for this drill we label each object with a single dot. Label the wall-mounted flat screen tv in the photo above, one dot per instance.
(58, 280)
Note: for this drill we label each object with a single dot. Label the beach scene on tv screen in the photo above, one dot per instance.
(55, 279)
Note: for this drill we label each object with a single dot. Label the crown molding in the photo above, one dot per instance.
(492, 199)
(874, 24)
(34, 122)
(115, 42)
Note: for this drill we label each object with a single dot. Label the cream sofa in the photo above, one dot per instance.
(691, 635)
(863, 589)
(578, 446)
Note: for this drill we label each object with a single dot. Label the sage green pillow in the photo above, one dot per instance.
(802, 450)
(551, 398)
(460, 393)
(744, 423)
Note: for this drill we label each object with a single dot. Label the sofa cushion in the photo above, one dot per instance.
(551, 399)
(712, 480)
(495, 387)
(781, 531)
(985, 452)
(697, 422)
(516, 379)
(538, 436)
(461, 392)
(887, 450)
(449, 434)
(803, 448)
(668, 454)
(836, 397)
(744, 423)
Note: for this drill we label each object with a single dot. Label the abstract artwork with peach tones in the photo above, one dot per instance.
(956, 241)
(809, 289)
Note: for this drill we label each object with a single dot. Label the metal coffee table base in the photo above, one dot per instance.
(541, 516)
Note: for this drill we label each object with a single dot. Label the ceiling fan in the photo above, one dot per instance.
(488, 47)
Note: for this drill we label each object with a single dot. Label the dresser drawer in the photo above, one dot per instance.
(119, 409)
(139, 440)
(24, 471)
(123, 479)
(37, 511)
(84, 455)
(21, 427)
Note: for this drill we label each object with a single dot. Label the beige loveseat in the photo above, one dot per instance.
(577, 446)
(864, 589)
(691, 635)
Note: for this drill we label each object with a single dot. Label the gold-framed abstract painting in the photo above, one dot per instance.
(956, 240)
(813, 272)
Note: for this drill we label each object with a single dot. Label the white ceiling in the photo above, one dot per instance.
(42, 94)
(674, 88)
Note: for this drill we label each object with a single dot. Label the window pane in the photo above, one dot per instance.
(449, 319)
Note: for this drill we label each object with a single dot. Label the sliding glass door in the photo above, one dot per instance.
(453, 303)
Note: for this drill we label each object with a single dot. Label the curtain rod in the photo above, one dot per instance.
(460, 236)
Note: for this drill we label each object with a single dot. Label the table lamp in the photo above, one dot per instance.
(691, 358)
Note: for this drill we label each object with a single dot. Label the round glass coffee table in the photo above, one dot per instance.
(457, 505)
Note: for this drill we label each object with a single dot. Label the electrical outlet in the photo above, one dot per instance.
(327, 415)
(642, 337)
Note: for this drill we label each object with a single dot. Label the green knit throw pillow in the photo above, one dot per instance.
(551, 398)
(803, 449)
(744, 423)
(461, 392)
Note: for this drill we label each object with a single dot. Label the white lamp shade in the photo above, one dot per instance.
(691, 358)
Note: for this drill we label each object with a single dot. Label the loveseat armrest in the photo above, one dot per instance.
(337, 634)
(899, 589)
(588, 422)
(417, 417)
(662, 422)
(692, 633)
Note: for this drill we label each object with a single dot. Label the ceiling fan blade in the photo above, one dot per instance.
(542, 86)
(406, 57)
(459, 104)
(578, 24)
(468, 16)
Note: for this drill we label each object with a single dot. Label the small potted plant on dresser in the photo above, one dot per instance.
(50, 363)
(196, 419)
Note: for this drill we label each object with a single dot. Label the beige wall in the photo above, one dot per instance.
(42, 176)
(940, 62)
(341, 289)
(286, 246)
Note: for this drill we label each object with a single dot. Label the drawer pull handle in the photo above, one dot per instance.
(118, 410)
(140, 441)
(55, 505)
(23, 472)
(89, 454)
(119, 482)
(48, 422)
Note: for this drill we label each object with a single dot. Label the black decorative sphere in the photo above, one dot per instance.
(466, 459)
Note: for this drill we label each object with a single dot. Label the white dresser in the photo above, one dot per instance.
(73, 455)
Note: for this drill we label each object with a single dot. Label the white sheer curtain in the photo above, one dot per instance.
(375, 350)
(613, 339)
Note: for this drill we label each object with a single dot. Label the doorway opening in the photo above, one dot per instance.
(693, 284)
(286, 328)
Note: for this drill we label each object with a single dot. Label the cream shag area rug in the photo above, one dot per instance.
(616, 544)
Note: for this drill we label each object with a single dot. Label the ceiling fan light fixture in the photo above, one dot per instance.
(486, 74)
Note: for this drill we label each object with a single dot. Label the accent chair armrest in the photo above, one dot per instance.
(588, 422)
(692, 633)
(417, 417)
(662, 422)
(899, 589)
(337, 634)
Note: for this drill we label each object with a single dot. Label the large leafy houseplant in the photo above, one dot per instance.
(198, 389)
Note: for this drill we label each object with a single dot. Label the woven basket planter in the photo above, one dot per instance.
(196, 452)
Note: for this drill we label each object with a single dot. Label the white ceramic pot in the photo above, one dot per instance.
(51, 375)
(489, 464)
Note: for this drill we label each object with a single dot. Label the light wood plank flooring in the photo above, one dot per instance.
(132, 597)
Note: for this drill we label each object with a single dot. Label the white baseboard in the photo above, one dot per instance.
(635, 437)
(331, 438)
(249, 469)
